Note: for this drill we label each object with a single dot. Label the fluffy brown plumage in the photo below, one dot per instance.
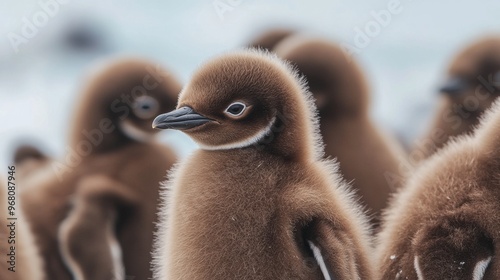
(367, 157)
(111, 145)
(256, 202)
(98, 206)
(472, 85)
(444, 224)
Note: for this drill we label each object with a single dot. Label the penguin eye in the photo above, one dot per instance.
(236, 109)
(145, 107)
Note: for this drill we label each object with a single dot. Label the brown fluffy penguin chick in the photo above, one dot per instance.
(367, 157)
(110, 136)
(20, 257)
(256, 201)
(472, 86)
(270, 38)
(444, 224)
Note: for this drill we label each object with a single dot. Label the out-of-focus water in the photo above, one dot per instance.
(404, 61)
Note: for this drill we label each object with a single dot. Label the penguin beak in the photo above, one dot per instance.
(181, 119)
(454, 86)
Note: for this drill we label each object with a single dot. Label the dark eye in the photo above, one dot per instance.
(236, 109)
(145, 107)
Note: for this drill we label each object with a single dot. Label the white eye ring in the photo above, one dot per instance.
(240, 105)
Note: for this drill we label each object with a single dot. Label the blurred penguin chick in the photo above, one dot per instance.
(367, 157)
(473, 84)
(110, 136)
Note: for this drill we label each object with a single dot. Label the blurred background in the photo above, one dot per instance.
(48, 46)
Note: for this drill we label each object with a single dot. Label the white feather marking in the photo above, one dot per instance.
(72, 264)
(243, 143)
(480, 269)
(115, 252)
(135, 133)
(416, 264)
(320, 260)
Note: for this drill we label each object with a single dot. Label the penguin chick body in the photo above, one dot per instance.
(473, 84)
(366, 156)
(444, 223)
(110, 137)
(256, 201)
(21, 259)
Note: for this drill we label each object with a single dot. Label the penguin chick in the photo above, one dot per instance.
(270, 38)
(473, 84)
(256, 202)
(111, 136)
(97, 204)
(367, 157)
(20, 256)
(444, 224)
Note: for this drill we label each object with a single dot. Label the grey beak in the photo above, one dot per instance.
(181, 119)
(454, 86)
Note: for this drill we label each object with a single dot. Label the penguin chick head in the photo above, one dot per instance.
(475, 73)
(120, 101)
(336, 82)
(245, 99)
